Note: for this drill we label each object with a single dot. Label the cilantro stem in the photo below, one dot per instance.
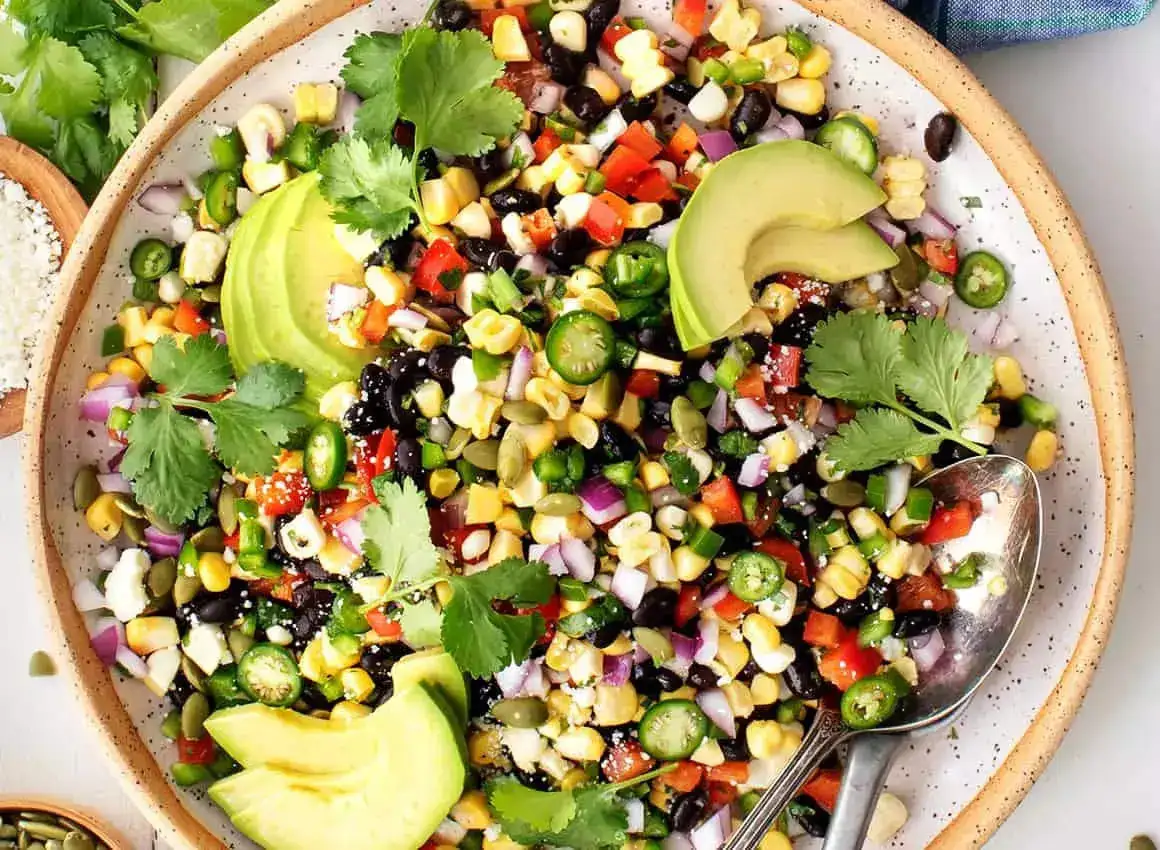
(637, 780)
(126, 8)
(405, 590)
(419, 145)
(943, 431)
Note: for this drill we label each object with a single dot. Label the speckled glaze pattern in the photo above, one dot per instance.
(959, 786)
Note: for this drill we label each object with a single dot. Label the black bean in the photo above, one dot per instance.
(1010, 413)
(658, 413)
(940, 136)
(751, 114)
(750, 670)
(798, 328)
(701, 677)
(374, 382)
(586, 104)
(393, 252)
(734, 749)
(615, 443)
(428, 161)
(681, 90)
(442, 360)
(802, 677)
(566, 65)
(912, 624)
(180, 690)
(503, 259)
(477, 251)
(637, 109)
(408, 366)
(657, 609)
(408, 458)
(364, 417)
(569, 248)
(646, 680)
(484, 694)
(659, 341)
(853, 611)
(218, 608)
(810, 122)
(401, 414)
(451, 15)
(535, 779)
(759, 344)
(599, 15)
(604, 636)
(511, 200)
(810, 816)
(619, 734)
(736, 537)
(313, 697)
(382, 694)
(490, 164)
(669, 681)
(689, 809)
(379, 664)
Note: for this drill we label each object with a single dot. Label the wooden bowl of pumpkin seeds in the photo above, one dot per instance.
(43, 824)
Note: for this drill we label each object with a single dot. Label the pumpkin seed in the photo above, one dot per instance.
(134, 528)
(39, 829)
(53, 844)
(7, 831)
(129, 506)
(524, 713)
(77, 841)
(227, 509)
(238, 642)
(211, 294)
(193, 716)
(43, 817)
(209, 540)
(558, 504)
(171, 725)
(654, 643)
(1142, 842)
(185, 588)
(39, 664)
(193, 673)
(482, 453)
(844, 493)
(161, 523)
(523, 412)
(512, 458)
(162, 576)
(455, 446)
(689, 423)
(86, 488)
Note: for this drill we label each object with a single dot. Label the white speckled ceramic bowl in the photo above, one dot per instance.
(958, 787)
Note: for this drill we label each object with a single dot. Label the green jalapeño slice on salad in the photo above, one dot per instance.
(521, 462)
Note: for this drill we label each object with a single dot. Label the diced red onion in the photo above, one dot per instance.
(708, 641)
(511, 678)
(96, 405)
(534, 264)
(662, 234)
(345, 298)
(617, 669)
(714, 596)
(933, 225)
(717, 144)
(107, 636)
(406, 318)
(87, 597)
(891, 233)
(191, 187)
(601, 500)
(667, 495)
(580, 560)
(520, 147)
(936, 293)
(754, 470)
(1005, 335)
(133, 663)
(107, 558)
(629, 585)
(521, 373)
(635, 810)
(677, 841)
(546, 97)
(640, 655)
(536, 683)
(753, 415)
(792, 127)
(927, 650)
(162, 198)
(684, 648)
(897, 486)
(828, 415)
(718, 416)
(162, 544)
(348, 104)
(350, 533)
(707, 372)
(113, 464)
(770, 134)
(716, 707)
(219, 336)
(550, 555)
(713, 833)
(114, 482)
(654, 438)
(674, 50)
(795, 496)
(661, 567)
(606, 133)
(679, 34)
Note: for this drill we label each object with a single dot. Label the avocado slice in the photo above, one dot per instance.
(833, 256)
(282, 260)
(434, 667)
(393, 802)
(768, 186)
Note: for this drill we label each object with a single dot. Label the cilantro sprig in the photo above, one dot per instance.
(863, 358)
(589, 818)
(441, 82)
(169, 460)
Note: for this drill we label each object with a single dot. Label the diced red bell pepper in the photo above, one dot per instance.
(722, 794)
(721, 498)
(824, 630)
(689, 15)
(923, 593)
(682, 144)
(363, 457)
(731, 607)
(187, 320)
(653, 187)
(603, 223)
(640, 140)
(807, 289)
(454, 537)
(796, 568)
(487, 18)
(375, 326)
(622, 168)
(627, 760)
(948, 523)
(763, 516)
(689, 181)
(729, 773)
(545, 143)
(823, 788)
(846, 663)
(439, 259)
(644, 383)
(785, 365)
(751, 384)
(688, 604)
(383, 625)
(616, 30)
(340, 513)
(706, 47)
(942, 255)
(685, 778)
(195, 750)
(385, 453)
(540, 227)
(281, 588)
(282, 493)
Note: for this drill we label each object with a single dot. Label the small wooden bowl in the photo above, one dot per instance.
(45, 183)
(49, 805)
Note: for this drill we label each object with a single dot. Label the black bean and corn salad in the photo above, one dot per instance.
(477, 422)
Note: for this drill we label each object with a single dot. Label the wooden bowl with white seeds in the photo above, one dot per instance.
(48, 191)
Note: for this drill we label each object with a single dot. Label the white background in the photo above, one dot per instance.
(1092, 108)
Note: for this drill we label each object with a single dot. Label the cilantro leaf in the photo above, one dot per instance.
(372, 72)
(421, 622)
(201, 368)
(248, 437)
(191, 29)
(541, 811)
(63, 19)
(128, 80)
(398, 535)
(58, 83)
(876, 437)
(85, 153)
(589, 818)
(270, 385)
(483, 641)
(445, 90)
(12, 46)
(737, 444)
(168, 463)
(371, 184)
(684, 474)
(940, 375)
(854, 356)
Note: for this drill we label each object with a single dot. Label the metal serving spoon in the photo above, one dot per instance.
(976, 634)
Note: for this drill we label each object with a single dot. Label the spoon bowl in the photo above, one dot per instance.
(1007, 533)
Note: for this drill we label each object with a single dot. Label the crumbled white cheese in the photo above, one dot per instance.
(30, 254)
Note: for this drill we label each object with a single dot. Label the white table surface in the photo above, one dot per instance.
(1089, 105)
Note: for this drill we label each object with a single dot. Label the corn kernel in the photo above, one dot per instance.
(905, 209)
(357, 684)
(778, 301)
(801, 95)
(504, 545)
(581, 744)
(763, 737)
(733, 654)
(213, 571)
(615, 704)
(507, 41)
(733, 26)
(484, 748)
(95, 380)
(463, 184)
(560, 654)
(133, 320)
(654, 475)
(761, 633)
(740, 698)
(628, 415)
(348, 710)
(129, 368)
(708, 753)
(703, 515)
(548, 396)
(602, 83)
(335, 401)
(336, 559)
(442, 483)
(471, 812)
(644, 214)
(495, 333)
(1042, 452)
(782, 449)
(1009, 381)
(600, 302)
(510, 520)
(483, 504)
(621, 646)
(688, 564)
(765, 689)
(574, 778)
(816, 63)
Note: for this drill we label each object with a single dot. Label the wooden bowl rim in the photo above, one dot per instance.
(54, 806)
(1051, 216)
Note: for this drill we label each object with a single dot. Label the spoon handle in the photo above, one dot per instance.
(826, 733)
(867, 763)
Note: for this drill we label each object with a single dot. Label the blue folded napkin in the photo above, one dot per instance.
(969, 25)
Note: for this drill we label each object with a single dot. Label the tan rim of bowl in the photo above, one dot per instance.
(1050, 215)
(52, 806)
